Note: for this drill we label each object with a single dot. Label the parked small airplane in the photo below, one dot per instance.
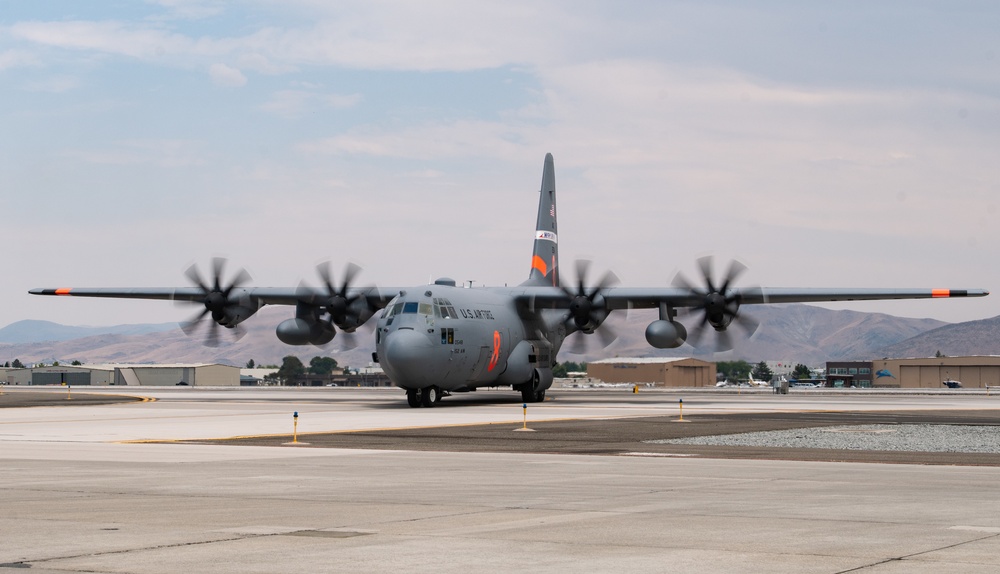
(443, 338)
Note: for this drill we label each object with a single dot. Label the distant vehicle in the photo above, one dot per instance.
(952, 384)
(332, 385)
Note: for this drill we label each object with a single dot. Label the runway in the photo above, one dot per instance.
(83, 491)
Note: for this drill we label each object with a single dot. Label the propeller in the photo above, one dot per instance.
(588, 310)
(719, 305)
(215, 299)
(339, 304)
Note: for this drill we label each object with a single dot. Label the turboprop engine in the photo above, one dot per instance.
(300, 331)
(664, 334)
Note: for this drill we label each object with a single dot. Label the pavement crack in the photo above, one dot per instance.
(915, 554)
(31, 561)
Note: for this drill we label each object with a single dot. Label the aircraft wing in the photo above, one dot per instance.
(587, 308)
(252, 296)
(651, 298)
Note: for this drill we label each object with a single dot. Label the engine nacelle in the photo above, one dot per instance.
(298, 331)
(234, 315)
(664, 334)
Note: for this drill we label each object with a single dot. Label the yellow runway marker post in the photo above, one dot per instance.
(680, 406)
(295, 431)
(524, 427)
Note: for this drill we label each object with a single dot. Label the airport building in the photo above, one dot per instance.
(928, 373)
(197, 374)
(660, 371)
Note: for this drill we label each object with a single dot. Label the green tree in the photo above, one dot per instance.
(762, 372)
(564, 369)
(291, 367)
(55, 363)
(322, 365)
(17, 364)
(250, 364)
(801, 372)
(76, 362)
(733, 370)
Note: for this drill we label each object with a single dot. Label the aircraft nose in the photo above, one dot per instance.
(405, 357)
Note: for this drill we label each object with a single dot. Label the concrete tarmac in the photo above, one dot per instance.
(80, 495)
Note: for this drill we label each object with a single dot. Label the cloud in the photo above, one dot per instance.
(223, 75)
(294, 103)
(190, 9)
(53, 84)
(109, 37)
(167, 153)
(263, 65)
(342, 101)
(16, 58)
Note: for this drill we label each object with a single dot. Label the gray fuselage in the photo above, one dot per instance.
(458, 339)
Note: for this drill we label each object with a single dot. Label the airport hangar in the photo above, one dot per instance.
(660, 371)
(194, 374)
(977, 372)
(923, 373)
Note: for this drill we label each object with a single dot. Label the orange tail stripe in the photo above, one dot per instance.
(63, 291)
(940, 292)
(539, 263)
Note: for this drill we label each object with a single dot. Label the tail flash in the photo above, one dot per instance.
(545, 257)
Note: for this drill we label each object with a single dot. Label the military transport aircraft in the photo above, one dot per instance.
(443, 338)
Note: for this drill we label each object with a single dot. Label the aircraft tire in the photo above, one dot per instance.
(530, 395)
(429, 396)
(413, 398)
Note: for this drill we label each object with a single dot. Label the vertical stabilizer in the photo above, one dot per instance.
(545, 256)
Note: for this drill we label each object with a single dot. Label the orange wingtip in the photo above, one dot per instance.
(940, 292)
(63, 291)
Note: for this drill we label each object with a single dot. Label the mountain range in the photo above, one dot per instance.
(794, 333)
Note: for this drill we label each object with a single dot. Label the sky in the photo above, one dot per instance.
(841, 144)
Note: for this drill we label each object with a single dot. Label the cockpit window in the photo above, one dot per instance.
(388, 311)
(410, 307)
(443, 309)
(424, 309)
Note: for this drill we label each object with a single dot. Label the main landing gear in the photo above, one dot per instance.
(530, 395)
(426, 397)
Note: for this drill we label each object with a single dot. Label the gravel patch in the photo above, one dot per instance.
(903, 437)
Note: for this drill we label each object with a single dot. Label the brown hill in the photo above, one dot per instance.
(970, 338)
(173, 346)
(796, 333)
